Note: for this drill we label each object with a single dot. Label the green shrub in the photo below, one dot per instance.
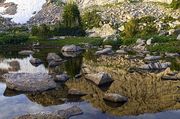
(114, 43)
(71, 15)
(91, 19)
(146, 19)
(175, 4)
(13, 38)
(131, 28)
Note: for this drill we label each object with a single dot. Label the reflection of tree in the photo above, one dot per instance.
(73, 66)
(146, 92)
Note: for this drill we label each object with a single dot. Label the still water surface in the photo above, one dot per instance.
(14, 103)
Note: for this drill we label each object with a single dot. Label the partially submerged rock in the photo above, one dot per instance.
(75, 92)
(35, 61)
(30, 82)
(71, 48)
(116, 98)
(26, 52)
(62, 78)
(60, 114)
(99, 78)
(53, 57)
(105, 51)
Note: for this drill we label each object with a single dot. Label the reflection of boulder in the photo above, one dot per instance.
(71, 54)
(116, 98)
(50, 97)
(9, 92)
(29, 81)
(60, 114)
(15, 66)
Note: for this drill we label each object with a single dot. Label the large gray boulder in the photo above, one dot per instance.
(155, 66)
(116, 98)
(71, 48)
(29, 82)
(60, 114)
(99, 78)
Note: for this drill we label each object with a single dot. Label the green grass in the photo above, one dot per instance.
(68, 41)
(173, 46)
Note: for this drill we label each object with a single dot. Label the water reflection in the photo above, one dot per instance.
(146, 92)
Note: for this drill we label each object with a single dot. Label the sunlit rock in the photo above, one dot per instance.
(99, 78)
(30, 82)
(71, 48)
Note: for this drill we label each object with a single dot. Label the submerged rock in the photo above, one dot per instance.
(99, 78)
(26, 52)
(75, 92)
(105, 51)
(116, 98)
(71, 48)
(30, 82)
(60, 114)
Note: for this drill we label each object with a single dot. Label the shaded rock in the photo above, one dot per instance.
(54, 63)
(155, 66)
(53, 57)
(71, 48)
(99, 78)
(29, 81)
(62, 78)
(75, 92)
(26, 52)
(116, 98)
(150, 58)
(35, 61)
(60, 114)
(105, 51)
